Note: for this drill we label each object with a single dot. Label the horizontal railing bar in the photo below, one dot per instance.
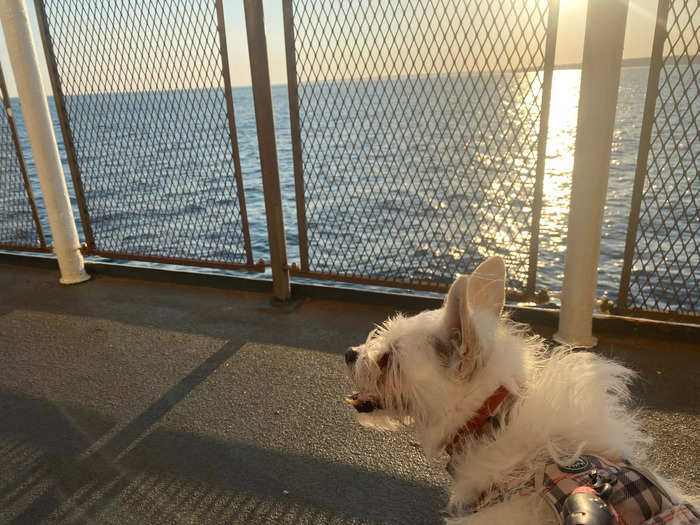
(424, 286)
(543, 317)
(658, 315)
(258, 268)
(23, 248)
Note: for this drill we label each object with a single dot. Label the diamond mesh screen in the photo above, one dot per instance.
(417, 136)
(145, 104)
(663, 265)
(19, 225)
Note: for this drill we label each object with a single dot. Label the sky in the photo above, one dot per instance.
(639, 32)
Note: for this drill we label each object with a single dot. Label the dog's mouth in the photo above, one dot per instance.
(362, 403)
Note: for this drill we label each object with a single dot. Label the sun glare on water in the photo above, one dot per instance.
(560, 161)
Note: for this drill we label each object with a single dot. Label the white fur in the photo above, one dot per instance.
(445, 363)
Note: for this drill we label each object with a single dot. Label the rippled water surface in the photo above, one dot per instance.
(557, 184)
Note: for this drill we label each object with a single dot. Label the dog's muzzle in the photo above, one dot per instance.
(357, 400)
(360, 403)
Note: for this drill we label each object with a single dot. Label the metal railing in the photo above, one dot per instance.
(418, 134)
(20, 227)
(662, 254)
(144, 101)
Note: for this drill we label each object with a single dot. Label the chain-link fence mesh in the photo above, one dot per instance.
(20, 228)
(144, 100)
(416, 136)
(660, 273)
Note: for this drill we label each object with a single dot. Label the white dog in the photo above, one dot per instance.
(523, 426)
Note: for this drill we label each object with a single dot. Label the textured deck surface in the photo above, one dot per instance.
(125, 401)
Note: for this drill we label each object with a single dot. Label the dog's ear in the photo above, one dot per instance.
(456, 315)
(486, 288)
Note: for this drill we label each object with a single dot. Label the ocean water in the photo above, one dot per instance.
(557, 184)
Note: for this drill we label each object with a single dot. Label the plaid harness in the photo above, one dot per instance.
(635, 496)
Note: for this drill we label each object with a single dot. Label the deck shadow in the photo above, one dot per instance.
(172, 475)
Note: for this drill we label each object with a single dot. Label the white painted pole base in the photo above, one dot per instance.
(20, 47)
(71, 266)
(600, 78)
(575, 341)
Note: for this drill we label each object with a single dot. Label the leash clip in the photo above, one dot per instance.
(587, 504)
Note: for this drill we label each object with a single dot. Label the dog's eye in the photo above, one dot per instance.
(456, 337)
(443, 349)
(383, 361)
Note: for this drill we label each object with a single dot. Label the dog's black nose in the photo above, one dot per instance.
(350, 356)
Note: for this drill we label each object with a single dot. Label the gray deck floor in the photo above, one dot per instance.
(123, 401)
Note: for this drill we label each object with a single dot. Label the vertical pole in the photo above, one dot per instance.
(60, 101)
(221, 26)
(262, 98)
(657, 59)
(600, 78)
(293, 91)
(15, 24)
(20, 159)
(550, 51)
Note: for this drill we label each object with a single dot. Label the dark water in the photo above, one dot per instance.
(557, 184)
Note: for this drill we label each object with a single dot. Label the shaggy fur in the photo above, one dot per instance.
(433, 372)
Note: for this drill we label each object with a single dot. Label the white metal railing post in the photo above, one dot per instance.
(20, 47)
(600, 77)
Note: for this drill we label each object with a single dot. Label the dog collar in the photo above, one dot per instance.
(475, 423)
